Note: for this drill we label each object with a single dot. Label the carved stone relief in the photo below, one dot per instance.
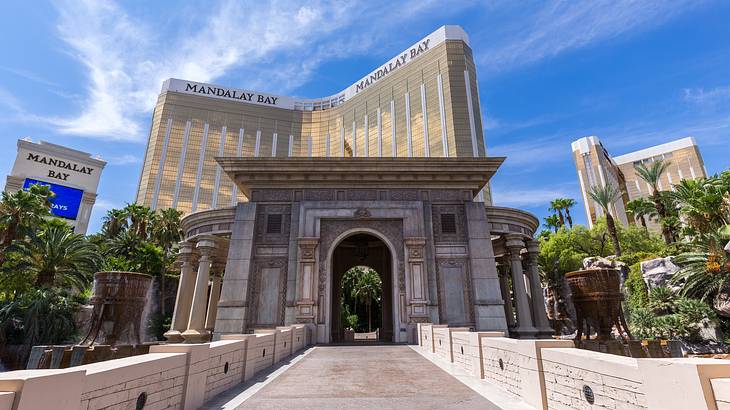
(262, 266)
(460, 216)
(462, 264)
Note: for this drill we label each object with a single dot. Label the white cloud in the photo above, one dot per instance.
(560, 26)
(528, 197)
(711, 96)
(122, 159)
(272, 47)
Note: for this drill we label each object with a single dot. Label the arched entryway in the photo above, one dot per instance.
(367, 250)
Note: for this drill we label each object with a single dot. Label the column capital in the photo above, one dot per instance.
(514, 241)
(205, 245)
(307, 245)
(533, 247)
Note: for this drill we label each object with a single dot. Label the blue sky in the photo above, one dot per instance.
(635, 73)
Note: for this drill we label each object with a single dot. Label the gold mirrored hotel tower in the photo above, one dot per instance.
(422, 103)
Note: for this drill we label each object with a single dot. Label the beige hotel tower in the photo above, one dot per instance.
(422, 103)
(596, 166)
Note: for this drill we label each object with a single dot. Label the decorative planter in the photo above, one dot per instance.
(119, 300)
(597, 296)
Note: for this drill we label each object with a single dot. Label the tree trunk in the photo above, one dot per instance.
(370, 321)
(562, 219)
(612, 232)
(662, 212)
(643, 221)
(163, 309)
(569, 218)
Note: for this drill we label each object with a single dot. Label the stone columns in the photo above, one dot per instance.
(306, 282)
(196, 332)
(215, 294)
(503, 269)
(524, 328)
(538, 300)
(184, 294)
(417, 279)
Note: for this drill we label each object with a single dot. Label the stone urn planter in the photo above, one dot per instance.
(597, 296)
(119, 300)
(349, 335)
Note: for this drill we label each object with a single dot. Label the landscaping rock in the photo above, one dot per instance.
(658, 272)
(609, 262)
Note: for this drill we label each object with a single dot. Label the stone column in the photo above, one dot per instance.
(538, 300)
(524, 328)
(417, 279)
(215, 294)
(184, 294)
(503, 269)
(196, 332)
(307, 294)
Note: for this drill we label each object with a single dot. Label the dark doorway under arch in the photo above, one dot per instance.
(362, 250)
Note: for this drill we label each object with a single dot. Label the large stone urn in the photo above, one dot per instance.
(119, 300)
(597, 296)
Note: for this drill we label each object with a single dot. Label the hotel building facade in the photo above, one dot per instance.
(422, 103)
(596, 167)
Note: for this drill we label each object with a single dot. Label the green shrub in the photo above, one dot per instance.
(638, 293)
(662, 300)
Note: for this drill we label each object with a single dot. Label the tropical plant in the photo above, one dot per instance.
(556, 205)
(704, 273)
(115, 222)
(166, 233)
(661, 300)
(567, 204)
(22, 211)
(140, 218)
(41, 316)
(56, 256)
(652, 176)
(552, 222)
(704, 204)
(640, 209)
(367, 289)
(605, 196)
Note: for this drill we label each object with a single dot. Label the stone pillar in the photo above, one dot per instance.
(215, 294)
(538, 300)
(185, 287)
(503, 269)
(417, 280)
(307, 295)
(524, 328)
(196, 332)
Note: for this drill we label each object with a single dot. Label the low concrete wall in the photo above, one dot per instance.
(467, 350)
(615, 381)
(515, 366)
(171, 376)
(552, 374)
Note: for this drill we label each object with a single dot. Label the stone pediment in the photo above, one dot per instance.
(415, 173)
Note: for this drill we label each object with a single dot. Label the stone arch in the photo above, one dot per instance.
(396, 267)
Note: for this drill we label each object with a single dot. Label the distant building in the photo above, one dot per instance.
(72, 175)
(596, 166)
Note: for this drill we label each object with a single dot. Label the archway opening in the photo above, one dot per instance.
(362, 262)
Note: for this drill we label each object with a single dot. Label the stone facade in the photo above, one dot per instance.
(307, 221)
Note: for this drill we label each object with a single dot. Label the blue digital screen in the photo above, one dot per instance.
(66, 202)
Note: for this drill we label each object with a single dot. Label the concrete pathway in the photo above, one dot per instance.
(356, 377)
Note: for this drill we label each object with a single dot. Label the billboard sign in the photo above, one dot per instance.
(66, 202)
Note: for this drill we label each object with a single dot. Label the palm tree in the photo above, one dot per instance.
(57, 256)
(367, 289)
(604, 197)
(567, 204)
(552, 222)
(115, 221)
(652, 176)
(140, 218)
(22, 210)
(640, 208)
(166, 233)
(556, 205)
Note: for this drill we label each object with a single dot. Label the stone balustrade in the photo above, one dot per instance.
(553, 374)
(171, 376)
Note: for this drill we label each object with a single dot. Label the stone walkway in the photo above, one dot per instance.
(359, 377)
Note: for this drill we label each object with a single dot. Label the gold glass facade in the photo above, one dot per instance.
(427, 107)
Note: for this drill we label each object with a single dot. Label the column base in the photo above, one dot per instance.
(174, 336)
(196, 336)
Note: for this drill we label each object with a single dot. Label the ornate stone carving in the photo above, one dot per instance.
(460, 222)
(404, 195)
(255, 289)
(361, 213)
(319, 194)
(463, 264)
(261, 195)
(362, 195)
(262, 213)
